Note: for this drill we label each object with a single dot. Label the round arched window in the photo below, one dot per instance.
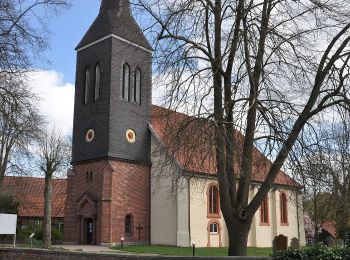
(214, 228)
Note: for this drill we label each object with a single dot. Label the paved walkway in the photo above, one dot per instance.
(88, 248)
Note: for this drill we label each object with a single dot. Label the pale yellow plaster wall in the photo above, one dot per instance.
(266, 234)
(199, 212)
(259, 235)
(163, 203)
(183, 235)
(179, 212)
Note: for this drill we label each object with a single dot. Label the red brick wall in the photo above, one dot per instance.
(120, 188)
(130, 195)
(70, 214)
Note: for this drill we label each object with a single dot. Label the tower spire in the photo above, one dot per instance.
(123, 6)
(115, 18)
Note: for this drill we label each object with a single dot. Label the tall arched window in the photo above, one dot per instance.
(97, 80)
(264, 212)
(284, 208)
(128, 225)
(87, 85)
(126, 82)
(213, 201)
(137, 86)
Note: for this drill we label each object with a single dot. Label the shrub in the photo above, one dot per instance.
(24, 234)
(56, 234)
(290, 254)
(344, 233)
(39, 234)
(343, 253)
(316, 252)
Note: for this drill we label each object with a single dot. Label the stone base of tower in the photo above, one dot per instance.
(108, 200)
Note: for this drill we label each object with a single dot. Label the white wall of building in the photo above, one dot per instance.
(163, 204)
(199, 215)
(179, 212)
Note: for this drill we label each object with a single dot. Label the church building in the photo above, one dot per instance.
(119, 187)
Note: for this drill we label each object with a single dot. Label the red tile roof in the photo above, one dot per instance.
(190, 141)
(329, 226)
(30, 193)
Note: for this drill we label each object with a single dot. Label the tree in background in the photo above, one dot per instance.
(53, 159)
(262, 67)
(23, 38)
(8, 203)
(23, 32)
(323, 167)
(20, 123)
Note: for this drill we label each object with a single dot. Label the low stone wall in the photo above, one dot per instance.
(37, 254)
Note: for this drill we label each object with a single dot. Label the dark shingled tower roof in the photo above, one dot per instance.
(115, 18)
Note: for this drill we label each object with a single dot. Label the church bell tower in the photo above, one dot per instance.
(108, 188)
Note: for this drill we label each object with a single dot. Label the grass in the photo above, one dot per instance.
(187, 251)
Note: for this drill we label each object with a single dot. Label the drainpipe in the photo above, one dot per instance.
(298, 216)
(189, 210)
(149, 203)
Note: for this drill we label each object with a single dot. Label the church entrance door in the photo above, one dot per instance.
(89, 229)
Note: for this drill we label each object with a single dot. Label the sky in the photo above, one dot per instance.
(54, 79)
(67, 29)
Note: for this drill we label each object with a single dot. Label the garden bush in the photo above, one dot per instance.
(56, 234)
(315, 252)
(23, 234)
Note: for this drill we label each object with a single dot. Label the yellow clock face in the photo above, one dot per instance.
(90, 135)
(130, 136)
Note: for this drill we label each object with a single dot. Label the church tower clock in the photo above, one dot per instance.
(108, 187)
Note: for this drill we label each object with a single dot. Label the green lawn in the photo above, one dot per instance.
(187, 251)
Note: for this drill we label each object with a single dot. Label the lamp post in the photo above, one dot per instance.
(122, 242)
(193, 248)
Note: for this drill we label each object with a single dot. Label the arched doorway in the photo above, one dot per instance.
(214, 234)
(87, 221)
(89, 231)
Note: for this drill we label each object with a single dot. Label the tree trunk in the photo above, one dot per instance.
(47, 212)
(238, 232)
(2, 175)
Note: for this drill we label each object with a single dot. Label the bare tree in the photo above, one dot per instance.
(23, 38)
(339, 162)
(23, 31)
(324, 170)
(20, 123)
(53, 158)
(263, 67)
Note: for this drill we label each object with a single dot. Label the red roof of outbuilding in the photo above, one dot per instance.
(190, 141)
(30, 193)
(329, 226)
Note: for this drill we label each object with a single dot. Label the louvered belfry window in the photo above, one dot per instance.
(126, 82)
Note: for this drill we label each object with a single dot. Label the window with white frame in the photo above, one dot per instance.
(214, 228)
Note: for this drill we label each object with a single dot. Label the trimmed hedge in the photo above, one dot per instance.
(315, 252)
